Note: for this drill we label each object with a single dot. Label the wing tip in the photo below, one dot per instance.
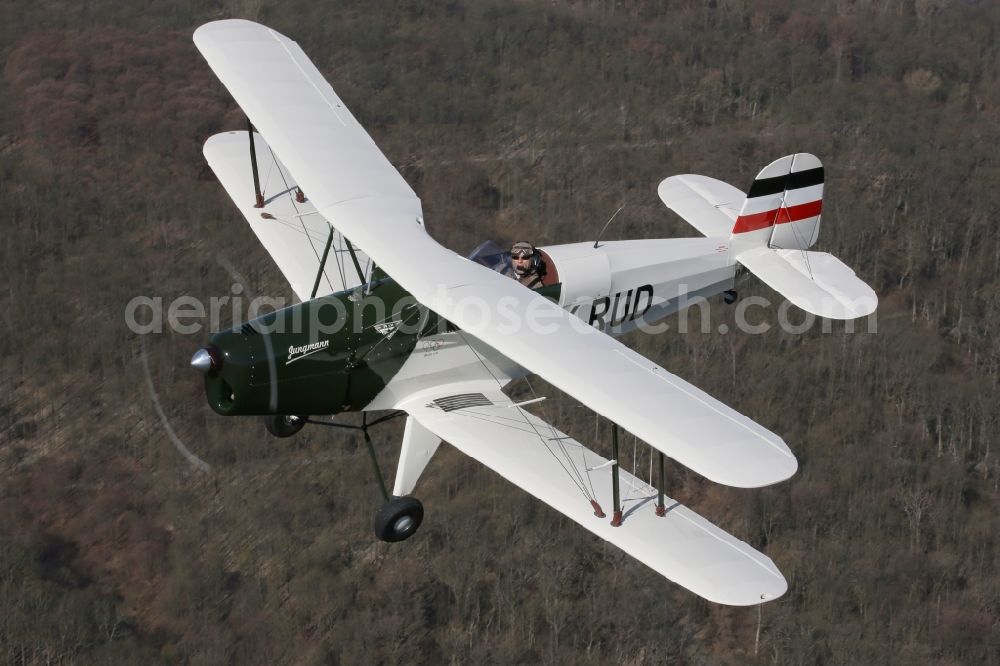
(761, 591)
(758, 477)
(844, 310)
(206, 32)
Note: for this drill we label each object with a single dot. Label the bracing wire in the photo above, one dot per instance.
(577, 479)
(337, 250)
(583, 459)
(650, 477)
(802, 248)
(570, 467)
(795, 232)
(632, 486)
(288, 189)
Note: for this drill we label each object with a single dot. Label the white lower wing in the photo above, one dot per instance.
(480, 420)
(294, 234)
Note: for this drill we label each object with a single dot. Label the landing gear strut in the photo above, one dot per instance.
(398, 519)
(284, 425)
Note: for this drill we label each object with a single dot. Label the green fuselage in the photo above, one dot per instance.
(328, 355)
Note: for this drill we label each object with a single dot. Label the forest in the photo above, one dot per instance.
(510, 119)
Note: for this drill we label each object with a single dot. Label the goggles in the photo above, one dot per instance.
(521, 253)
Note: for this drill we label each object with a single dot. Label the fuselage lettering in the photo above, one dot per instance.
(621, 307)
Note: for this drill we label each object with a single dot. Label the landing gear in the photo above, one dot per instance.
(730, 296)
(398, 519)
(284, 425)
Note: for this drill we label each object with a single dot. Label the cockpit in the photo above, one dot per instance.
(497, 258)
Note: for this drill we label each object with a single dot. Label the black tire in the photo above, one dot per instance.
(284, 425)
(730, 296)
(398, 519)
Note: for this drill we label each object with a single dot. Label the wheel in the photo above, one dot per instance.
(284, 425)
(398, 519)
(730, 296)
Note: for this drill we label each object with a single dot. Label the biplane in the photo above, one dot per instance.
(390, 321)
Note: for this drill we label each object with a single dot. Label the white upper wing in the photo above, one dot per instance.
(300, 115)
(480, 420)
(353, 185)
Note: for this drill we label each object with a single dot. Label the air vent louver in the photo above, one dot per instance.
(453, 402)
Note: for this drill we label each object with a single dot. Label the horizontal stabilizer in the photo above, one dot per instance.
(817, 282)
(707, 204)
(481, 421)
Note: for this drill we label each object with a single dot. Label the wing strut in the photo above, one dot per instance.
(616, 517)
(322, 262)
(661, 510)
(354, 258)
(371, 454)
(253, 163)
(364, 427)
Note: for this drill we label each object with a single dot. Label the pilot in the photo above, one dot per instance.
(527, 262)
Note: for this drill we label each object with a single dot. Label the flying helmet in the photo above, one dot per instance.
(525, 249)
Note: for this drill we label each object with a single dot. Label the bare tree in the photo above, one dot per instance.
(916, 504)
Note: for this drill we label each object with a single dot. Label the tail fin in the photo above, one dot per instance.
(778, 221)
(783, 206)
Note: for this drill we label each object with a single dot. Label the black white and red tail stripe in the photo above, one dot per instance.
(783, 206)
